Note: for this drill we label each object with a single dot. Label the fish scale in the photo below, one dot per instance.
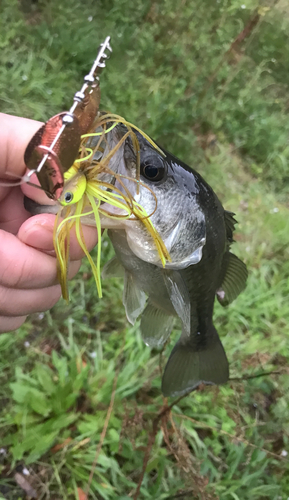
(198, 233)
(198, 356)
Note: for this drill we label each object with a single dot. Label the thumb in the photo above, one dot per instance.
(37, 232)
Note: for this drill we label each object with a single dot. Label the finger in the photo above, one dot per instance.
(23, 302)
(9, 324)
(24, 267)
(36, 193)
(12, 211)
(37, 232)
(15, 134)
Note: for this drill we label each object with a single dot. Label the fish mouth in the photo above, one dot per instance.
(35, 208)
(116, 166)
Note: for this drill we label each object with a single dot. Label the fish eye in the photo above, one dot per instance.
(68, 197)
(153, 168)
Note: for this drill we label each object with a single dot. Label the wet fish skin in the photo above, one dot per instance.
(193, 223)
(179, 218)
(198, 356)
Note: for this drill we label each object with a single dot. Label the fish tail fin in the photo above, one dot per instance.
(195, 359)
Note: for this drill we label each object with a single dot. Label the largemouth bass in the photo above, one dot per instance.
(197, 233)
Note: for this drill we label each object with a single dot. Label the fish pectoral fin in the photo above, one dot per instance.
(230, 223)
(156, 325)
(112, 269)
(192, 363)
(134, 299)
(179, 296)
(234, 281)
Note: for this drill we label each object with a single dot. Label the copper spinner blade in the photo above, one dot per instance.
(87, 109)
(59, 158)
(54, 147)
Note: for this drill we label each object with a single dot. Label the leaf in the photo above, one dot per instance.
(80, 364)
(38, 403)
(44, 376)
(19, 391)
(40, 438)
(81, 494)
(60, 364)
(62, 445)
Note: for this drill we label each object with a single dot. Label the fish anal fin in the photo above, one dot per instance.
(156, 325)
(112, 269)
(134, 299)
(189, 365)
(234, 281)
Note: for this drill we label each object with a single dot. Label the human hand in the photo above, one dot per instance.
(28, 280)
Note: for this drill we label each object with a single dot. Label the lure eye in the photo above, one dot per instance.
(68, 197)
(153, 168)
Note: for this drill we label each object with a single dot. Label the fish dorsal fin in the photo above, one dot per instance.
(112, 269)
(179, 296)
(234, 282)
(134, 299)
(230, 222)
(156, 325)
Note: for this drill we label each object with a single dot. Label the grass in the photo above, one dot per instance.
(175, 74)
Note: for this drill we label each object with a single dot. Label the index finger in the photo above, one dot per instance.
(15, 133)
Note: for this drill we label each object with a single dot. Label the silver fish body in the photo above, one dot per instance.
(197, 232)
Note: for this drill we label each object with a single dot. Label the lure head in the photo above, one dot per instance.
(74, 187)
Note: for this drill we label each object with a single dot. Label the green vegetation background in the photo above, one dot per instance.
(222, 106)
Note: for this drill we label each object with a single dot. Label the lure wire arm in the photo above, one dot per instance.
(79, 96)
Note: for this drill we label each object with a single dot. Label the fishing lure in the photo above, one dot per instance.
(67, 168)
(85, 194)
(54, 147)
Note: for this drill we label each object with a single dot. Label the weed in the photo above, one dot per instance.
(80, 397)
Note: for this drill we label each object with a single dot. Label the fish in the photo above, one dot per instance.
(197, 233)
